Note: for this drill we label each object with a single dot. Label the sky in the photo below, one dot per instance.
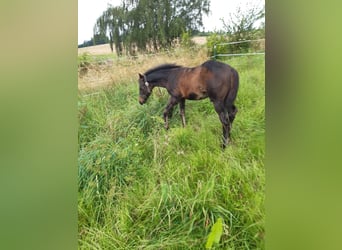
(90, 10)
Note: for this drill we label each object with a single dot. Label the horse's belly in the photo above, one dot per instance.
(197, 95)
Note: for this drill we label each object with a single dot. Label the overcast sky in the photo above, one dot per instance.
(90, 10)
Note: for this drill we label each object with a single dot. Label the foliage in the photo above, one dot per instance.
(240, 26)
(86, 44)
(150, 25)
(96, 40)
(141, 187)
(186, 41)
(214, 39)
(84, 60)
(100, 39)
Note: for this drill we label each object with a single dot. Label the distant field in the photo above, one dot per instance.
(105, 48)
(141, 187)
(96, 50)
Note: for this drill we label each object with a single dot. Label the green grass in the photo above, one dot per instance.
(85, 59)
(141, 187)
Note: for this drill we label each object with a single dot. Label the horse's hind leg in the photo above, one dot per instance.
(224, 118)
(182, 111)
(226, 129)
(232, 112)
(170, 113)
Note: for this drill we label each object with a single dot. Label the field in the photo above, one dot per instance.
(141, 187)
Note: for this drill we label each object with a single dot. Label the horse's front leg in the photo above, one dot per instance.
(182, 110)
(172, 102)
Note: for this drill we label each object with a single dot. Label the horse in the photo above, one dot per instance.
(214, 80)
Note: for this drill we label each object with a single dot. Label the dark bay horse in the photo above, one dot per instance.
(216, 80)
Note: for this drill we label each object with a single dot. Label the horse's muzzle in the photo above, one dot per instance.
(141, 100)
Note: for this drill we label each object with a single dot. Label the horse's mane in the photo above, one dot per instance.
(167, 66)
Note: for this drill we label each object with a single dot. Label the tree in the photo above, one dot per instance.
(150, 24)
(99, 39)
(242, 22)
(112, 20)
(242, 25)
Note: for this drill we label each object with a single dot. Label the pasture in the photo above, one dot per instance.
(142, 187)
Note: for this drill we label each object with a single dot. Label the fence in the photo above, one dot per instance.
(260, 41)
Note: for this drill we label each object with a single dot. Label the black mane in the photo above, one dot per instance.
(167, 66)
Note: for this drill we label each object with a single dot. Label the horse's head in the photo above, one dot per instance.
(145, 89)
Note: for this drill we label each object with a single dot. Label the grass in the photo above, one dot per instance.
(107, 70)
(141, 187)
(87, 58)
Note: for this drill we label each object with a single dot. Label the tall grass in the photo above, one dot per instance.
(108, 70)
(141, 187)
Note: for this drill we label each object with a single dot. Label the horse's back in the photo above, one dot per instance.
(218, 67)
(222, 80)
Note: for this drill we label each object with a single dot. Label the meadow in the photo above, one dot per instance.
(142, 187)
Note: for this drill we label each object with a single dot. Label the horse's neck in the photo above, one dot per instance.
(160, 83)
(157, 80)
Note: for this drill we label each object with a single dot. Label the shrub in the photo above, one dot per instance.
(186, 41)
(84, 60)
(214, 39)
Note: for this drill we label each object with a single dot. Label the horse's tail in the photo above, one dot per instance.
(233, 79)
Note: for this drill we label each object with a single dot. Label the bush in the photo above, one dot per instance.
(222, 47)
(214, 39)
(84, 60)
(240, 26)
(186, 41)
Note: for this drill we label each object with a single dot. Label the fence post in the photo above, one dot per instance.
(215, 51)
